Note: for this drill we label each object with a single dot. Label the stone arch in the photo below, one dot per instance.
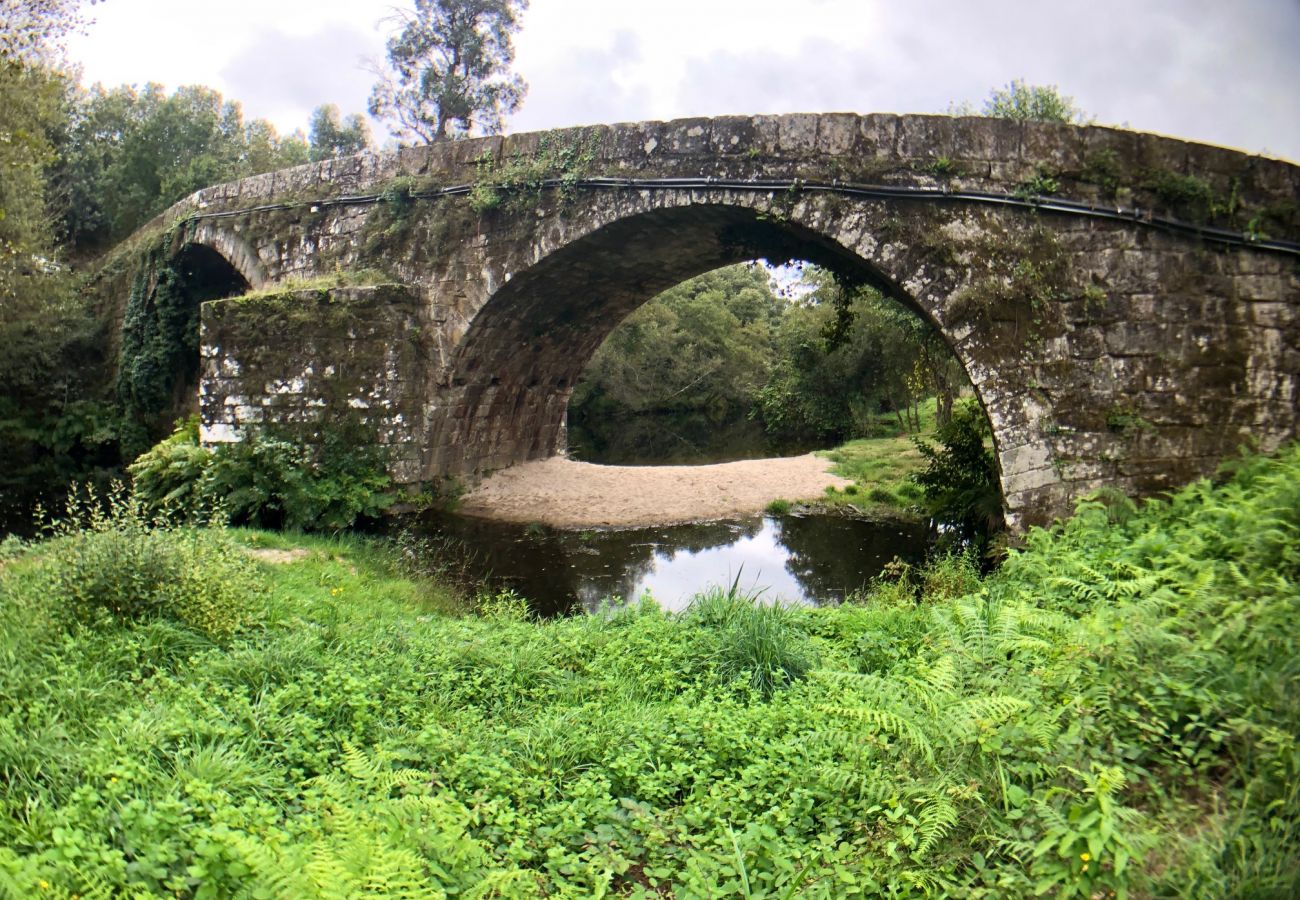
(232, 248)
(510, 375)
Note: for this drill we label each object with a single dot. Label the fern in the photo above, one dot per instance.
(938, 818)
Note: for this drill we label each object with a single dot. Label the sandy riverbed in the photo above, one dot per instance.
(570, 494)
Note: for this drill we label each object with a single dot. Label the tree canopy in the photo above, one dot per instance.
(129, 153)
(450, 64)
(332, 136)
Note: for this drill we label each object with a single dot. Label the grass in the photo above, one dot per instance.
(339, 279)
(1112, 713)
(880, 468)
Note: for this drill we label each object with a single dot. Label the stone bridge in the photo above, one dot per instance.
(1127, 306)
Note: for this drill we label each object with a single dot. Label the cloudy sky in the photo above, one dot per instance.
(1209, 70)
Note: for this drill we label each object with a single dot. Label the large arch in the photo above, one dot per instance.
(513, 370)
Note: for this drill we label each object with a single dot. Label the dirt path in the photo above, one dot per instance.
(570, 494)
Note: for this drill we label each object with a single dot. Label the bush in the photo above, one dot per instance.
(106, 562)
(267, 480)
(169, 477)
(960, 483)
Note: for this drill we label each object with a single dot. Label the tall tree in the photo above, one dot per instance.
(450, 64)
(49, 343)
(333, 136)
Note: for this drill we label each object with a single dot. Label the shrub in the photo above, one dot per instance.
(168, 479)
(269, 479)
(960, 482)
(106, 562)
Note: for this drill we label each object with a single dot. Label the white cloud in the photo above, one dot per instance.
(1199, 69)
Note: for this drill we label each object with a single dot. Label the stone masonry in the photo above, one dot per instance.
(1106, 351)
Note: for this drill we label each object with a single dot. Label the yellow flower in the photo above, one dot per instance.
(1085, 856)
(43, 884)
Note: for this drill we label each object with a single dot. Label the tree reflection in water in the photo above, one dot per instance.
(806, 559)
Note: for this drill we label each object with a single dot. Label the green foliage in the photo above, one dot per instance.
(159, 357)
(1032, 103)
(758, 643)
(522, 177)
(1185, 195)
(54, 424)
(268, 479)
(169, 477)
(331, 136)
(450, 62)
(1112, 711)
(108, 562)
(844, 359)
(961, 483)
(130, 153)
(723, 345)
(699, 348)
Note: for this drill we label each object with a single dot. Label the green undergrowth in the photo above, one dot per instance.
(881, 468)
(1112, 713)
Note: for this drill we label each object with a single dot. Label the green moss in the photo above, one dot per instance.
(1018, 277)
(1187, 196)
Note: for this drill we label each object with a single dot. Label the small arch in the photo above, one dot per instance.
(233, 249)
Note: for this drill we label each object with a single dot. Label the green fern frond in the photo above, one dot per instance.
(884, 720)
(863, 783)
(937, 819)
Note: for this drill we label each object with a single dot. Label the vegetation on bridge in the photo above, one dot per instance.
(1110, 713)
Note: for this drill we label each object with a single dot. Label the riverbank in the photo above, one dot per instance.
(565, 493)
(1109, 713)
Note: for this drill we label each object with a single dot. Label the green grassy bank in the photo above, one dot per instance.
(1113, 713)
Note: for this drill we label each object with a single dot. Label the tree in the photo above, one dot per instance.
(1032, 103)
(451, 69)
(333, 136)
(33, 30)
(701, 348)
(50, 345)
(129, 153)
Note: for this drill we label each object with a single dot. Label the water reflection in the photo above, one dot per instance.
(806, 559)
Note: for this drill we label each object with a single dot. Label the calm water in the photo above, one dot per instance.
(807, 559)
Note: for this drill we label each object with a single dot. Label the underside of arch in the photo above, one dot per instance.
(512, 373)
(233, 249)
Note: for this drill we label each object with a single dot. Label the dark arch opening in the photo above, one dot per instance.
(159, 370)
(204, 274)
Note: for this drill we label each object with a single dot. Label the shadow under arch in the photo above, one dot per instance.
(159, 364)
(514, 369)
